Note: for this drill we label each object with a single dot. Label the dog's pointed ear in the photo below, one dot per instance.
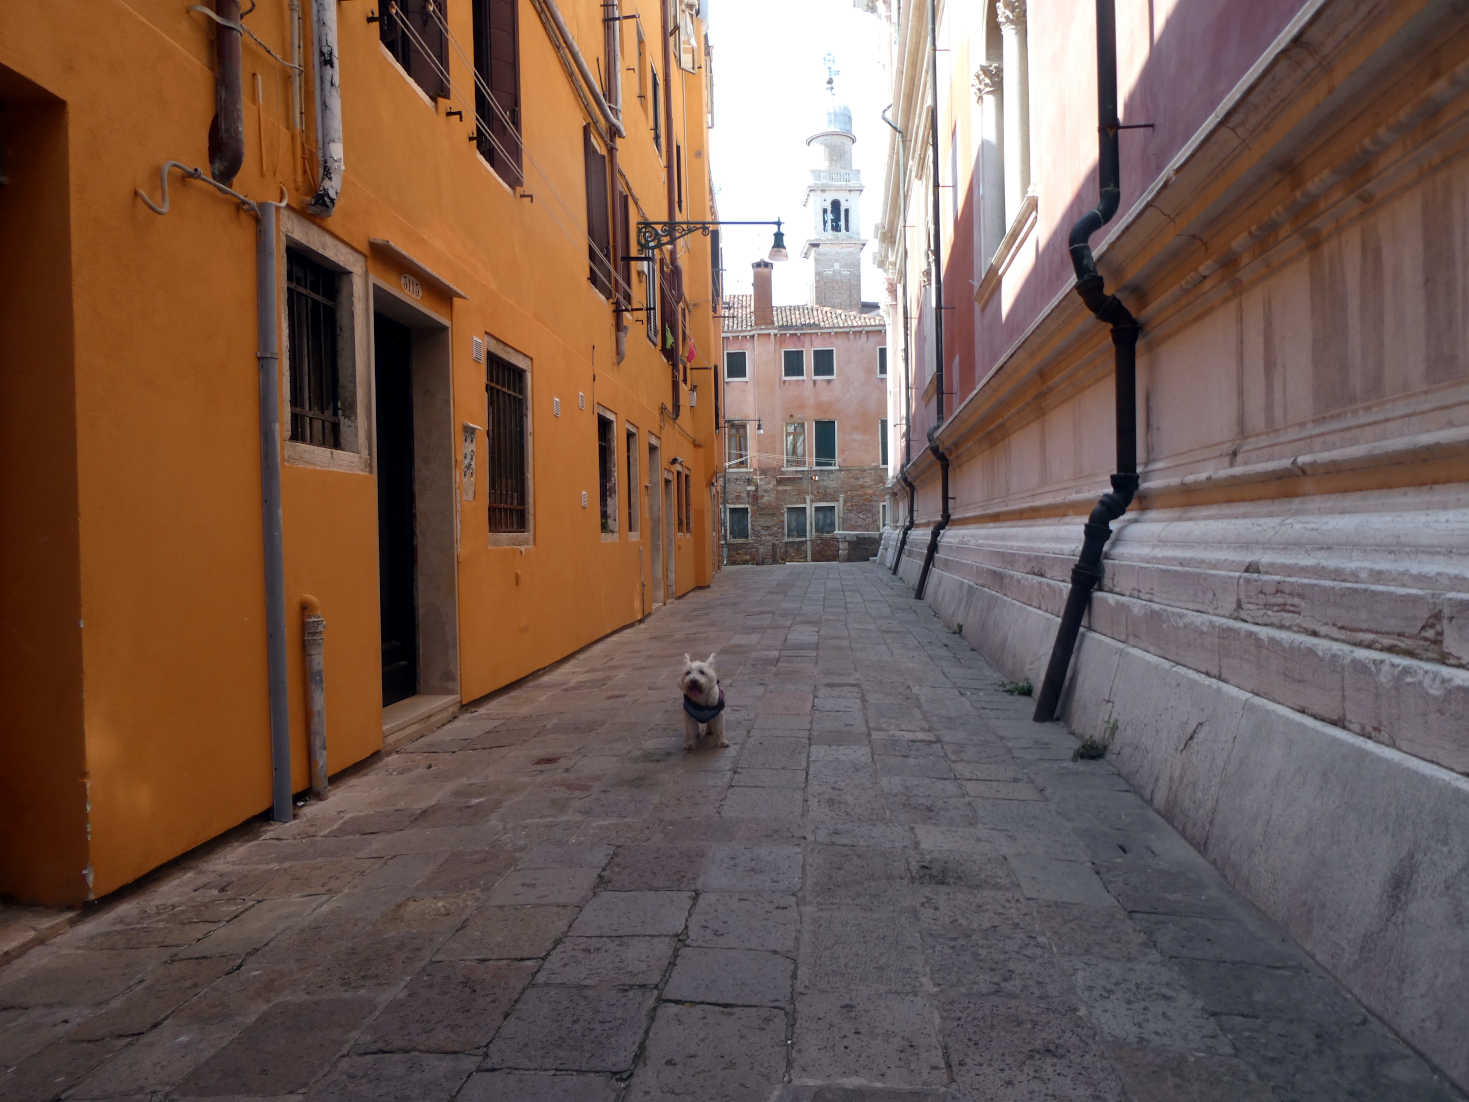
(686, 660)
(710, 660)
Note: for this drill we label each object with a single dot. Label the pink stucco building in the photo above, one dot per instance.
(1276, 650)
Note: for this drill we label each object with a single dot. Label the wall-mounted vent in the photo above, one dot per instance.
(555, 407)
(581, 400)
(583, 499)
(477, 349)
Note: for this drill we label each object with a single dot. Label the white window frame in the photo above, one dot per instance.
(613, 507)
(882, 441)
(728, 531)
(833, 352)
(744, 353)
(354, 347)
(800, 352)
(805, 511)
(882, 507)
(518, 359)
(836, 518)
(742, 464)
(882, 361)
(786, 450)
(815, 464)
(630, 446)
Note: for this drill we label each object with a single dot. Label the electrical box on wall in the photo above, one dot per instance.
(581, 400)
(583, 499)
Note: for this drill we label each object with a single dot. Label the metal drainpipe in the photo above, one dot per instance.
(313, 635)
(1088, 569)
(269, 355)
(907, 428)
(938, 314)
(328, 109)
(227, 128)
(907, 371)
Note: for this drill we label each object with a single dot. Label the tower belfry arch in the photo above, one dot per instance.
(836, 243)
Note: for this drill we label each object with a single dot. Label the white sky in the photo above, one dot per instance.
(769, 97)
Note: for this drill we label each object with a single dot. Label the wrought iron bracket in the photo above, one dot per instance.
(654, 235)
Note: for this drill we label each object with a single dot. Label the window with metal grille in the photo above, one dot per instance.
(312, 293)
(882, 361)
(506, 467)
(633, 509)
(823, 519)
(823, 363)
(825, 443)
(795, 522)
(607, 469)
(657, 115)
(737, 444)
(414, 33)
(736, 366)
(793, 363)
(882, 439)
(497, 88)
(737, 522)
(796, 444)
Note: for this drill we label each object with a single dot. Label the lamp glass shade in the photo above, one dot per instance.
(778, 246)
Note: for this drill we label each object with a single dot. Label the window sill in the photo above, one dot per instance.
(793, 378)
(522, 540)
(1009, 247)
(297, 454)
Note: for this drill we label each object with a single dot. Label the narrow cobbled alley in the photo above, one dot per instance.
(892, 885)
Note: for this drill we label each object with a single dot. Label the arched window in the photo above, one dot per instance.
(825, 219)
(836, 216)
(847, 220)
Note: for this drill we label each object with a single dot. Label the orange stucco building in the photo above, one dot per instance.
(487, 454)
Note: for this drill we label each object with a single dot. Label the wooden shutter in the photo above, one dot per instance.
(428, 19)
(500, 110)
(599, 244)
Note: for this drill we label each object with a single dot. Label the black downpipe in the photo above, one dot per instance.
(907, 369)
(1088, 569)
(938, 314)
(903, 539)
(907, 430)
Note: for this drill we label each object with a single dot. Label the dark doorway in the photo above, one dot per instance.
(396, 550)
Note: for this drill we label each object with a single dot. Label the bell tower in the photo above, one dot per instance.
(836, 243)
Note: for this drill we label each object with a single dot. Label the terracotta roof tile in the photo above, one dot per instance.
(740, 317)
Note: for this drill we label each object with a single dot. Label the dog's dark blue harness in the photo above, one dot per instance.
(699, 712)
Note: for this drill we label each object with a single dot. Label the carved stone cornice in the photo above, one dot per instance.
(986, 81)
(1010, 14)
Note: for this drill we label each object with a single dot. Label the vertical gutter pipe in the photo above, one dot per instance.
(227, 129)
(332, 162)
(269, 355)
(1088, 569)
(938, 314)
(907, 365)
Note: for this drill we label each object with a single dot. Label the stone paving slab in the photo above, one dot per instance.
(890, 887)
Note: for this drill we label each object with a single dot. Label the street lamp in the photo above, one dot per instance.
(653, 235)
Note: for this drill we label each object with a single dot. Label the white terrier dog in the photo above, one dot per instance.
(703, 702)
